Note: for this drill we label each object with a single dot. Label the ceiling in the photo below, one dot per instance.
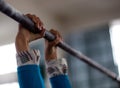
(61, 14)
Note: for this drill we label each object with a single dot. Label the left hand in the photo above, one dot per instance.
(24, 36)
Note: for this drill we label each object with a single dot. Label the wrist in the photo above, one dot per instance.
(21, 44)
(57, 67)
(28, 57)
(50, 54)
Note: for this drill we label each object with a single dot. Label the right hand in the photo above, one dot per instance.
(51, 46)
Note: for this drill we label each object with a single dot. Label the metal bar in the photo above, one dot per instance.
(20, 18)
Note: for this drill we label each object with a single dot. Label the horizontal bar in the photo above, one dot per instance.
(26, 22)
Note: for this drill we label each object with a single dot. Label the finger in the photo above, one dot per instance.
(37, 36)
(39, 23)
(29, 15)
(35, 19)
(54, 43)
(56, 33)
(57, 39)
(32, 17)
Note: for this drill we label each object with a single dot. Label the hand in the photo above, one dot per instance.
(24, 36)
(51, 46)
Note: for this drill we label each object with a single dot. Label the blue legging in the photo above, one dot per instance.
(29, 76)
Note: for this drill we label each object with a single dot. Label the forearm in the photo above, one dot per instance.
(21, 43)
(28, 60)
(28, 70)
(57, 70)
(60, 81)
(29, 77)
(51, 53)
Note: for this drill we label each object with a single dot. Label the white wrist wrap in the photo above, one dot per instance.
(28, 57)
(57, 67)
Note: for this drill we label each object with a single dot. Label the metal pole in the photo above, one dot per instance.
(26, 22)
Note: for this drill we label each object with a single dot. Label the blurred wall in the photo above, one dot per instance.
(96, 45)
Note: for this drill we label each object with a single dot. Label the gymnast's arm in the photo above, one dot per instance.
(56, 68)
(28, 70)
